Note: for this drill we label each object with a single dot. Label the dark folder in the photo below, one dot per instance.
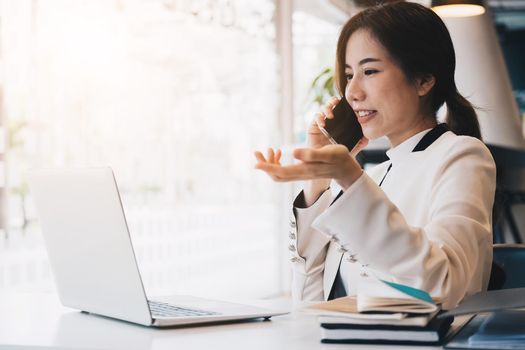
(497, 330)
(502, 328)
(495, 326)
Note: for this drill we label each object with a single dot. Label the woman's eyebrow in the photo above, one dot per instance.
(368, 60)
(365, 60)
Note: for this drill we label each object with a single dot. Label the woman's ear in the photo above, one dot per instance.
(425, 83)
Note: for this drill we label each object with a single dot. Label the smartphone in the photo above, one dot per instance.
(343, 129)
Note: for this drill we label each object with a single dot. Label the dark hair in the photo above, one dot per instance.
(419, 42)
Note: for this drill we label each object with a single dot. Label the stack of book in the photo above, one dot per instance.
(383, 313)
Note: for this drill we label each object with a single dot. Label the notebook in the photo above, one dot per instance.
(381, 295)
(383, 312)
(431, 334)
(397, 319)
(378, 298)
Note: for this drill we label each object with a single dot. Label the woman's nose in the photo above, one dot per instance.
(353, 91)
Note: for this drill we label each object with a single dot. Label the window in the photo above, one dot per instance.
(174, 96)
(315, 38)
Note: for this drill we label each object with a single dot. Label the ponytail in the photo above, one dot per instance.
(461, 116)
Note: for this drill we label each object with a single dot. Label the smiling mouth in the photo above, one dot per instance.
(364, 116)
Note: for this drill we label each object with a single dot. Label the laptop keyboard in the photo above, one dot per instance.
(160, 309)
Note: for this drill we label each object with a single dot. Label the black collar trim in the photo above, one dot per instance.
(430, 137)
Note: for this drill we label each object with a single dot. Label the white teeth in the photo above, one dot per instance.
(364, 113)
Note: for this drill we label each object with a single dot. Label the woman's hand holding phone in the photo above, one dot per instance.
(315, 138)
(341, 126)
(320, 163)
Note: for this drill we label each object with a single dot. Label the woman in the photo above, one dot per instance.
(422, 218)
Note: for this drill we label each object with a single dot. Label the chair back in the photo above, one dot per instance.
(508, 267)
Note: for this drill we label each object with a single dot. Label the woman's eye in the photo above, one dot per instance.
(348, 76)
(370, 71)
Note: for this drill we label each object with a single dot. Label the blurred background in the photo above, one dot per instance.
(175, 95)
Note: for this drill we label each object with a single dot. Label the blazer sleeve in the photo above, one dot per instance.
(308, 247)
(451, 255)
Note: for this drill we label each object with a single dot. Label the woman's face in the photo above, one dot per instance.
(385, 102)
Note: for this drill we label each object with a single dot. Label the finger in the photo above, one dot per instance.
(260, 157)
(296, 172)
(359, 146)
(327, 111)
(326, 154)
(271, 155)
(310, 155)
(278, 155)
(320, 120)
(269, 171)
(329, 107)
(334, 100)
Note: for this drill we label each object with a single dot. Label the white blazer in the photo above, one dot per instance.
(429, 225)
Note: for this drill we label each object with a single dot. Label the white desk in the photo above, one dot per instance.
(39, 321)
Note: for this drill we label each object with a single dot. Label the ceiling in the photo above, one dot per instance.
(507, 13)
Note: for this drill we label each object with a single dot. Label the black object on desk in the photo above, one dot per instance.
(431, 334)
(497, 330)
(494, 300)
(497, 324)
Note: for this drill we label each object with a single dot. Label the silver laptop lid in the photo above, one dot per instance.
(88, 242)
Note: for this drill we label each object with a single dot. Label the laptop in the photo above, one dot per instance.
(92, 258)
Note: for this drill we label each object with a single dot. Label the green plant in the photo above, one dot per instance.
(322, 87)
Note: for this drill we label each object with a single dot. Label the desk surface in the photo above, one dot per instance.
(39, 321)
